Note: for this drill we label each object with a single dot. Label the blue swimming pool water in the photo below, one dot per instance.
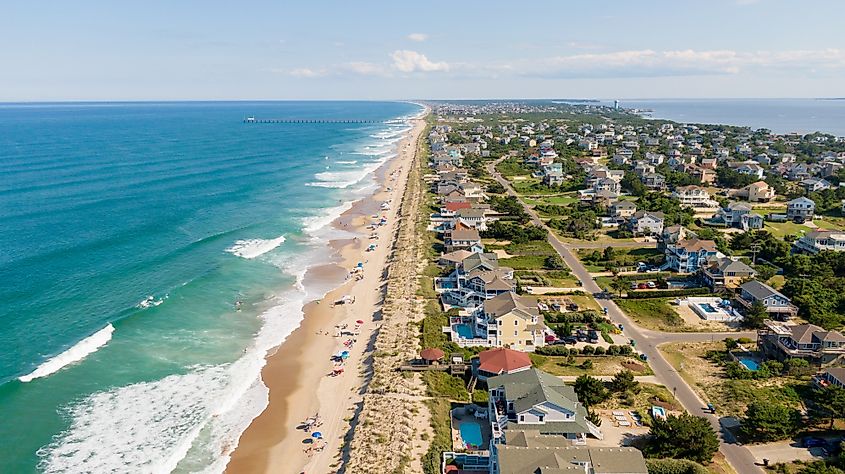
(464, 331)
(708, 307)
(471, 433)
(749, 363)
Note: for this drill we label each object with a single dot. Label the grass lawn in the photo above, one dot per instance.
(585, 302)
(781, 229)
(609, 365)
(776, 281)
(524, 262)
(652, 313)
(829, 223)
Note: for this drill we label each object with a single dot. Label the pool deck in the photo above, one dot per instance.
(458, 417)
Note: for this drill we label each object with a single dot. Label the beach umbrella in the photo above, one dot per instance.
(359, 322)
(317, 435)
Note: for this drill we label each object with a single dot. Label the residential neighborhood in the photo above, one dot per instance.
(683, 229)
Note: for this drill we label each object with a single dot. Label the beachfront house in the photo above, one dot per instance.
(498, 361)
(531, 452)
(461, 237)
(819, 347)
(476, 278)
(776, 304)
(533, 400)
(512, 321)
(723, 273)
(688, 256)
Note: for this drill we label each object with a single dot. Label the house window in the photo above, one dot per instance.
(521, 418)
(516, 323)
(541, 418)
(515, 333)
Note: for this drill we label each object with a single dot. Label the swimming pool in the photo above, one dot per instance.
(464, 331)
(471, 434)
(708, 308)
(749, 363)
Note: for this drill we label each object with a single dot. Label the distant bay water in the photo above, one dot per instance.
(777, 115)
(150, 254)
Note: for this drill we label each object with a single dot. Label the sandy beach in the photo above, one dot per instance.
(299, 373)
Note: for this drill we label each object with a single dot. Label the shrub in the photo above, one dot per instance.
(613, 350)
(588, 350)
(674, 466)
(599, 350)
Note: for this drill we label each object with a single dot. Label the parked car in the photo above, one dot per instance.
(570, 340)
(593, 335)
(642, 286)
(650, 285)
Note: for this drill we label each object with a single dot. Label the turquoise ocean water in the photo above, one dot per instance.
(127, 233)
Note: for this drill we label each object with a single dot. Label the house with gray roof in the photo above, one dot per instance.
(533, 400)
(724, 273)
(776, 304)
(532, 452)
(812, 343)
(800, 209)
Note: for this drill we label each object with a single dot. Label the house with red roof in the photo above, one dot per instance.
(498, 361)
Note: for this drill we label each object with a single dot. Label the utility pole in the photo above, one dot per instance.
(755, 247)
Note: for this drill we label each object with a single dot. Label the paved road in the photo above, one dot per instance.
(647, 341)
(601, 245)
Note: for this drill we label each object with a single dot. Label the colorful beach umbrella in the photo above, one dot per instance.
(317, 435)
(359, 322)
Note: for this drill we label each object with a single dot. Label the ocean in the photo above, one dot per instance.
(778, 115)
(150, 254)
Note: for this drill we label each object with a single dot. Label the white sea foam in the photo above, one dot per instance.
(252, 248)
(76, 353)
(190, 421)
(315, 223)
(350, 162)
(152, 426)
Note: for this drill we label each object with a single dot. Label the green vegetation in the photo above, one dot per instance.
(611, 258)
(770, 422)
(441, 384)
(441, 423)
(682, 437)
(653, 313)
(674, 466)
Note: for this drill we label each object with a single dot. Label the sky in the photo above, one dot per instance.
(325, 49)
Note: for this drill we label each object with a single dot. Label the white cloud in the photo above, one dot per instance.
(412, 61)
(418, 37)
(306, 72)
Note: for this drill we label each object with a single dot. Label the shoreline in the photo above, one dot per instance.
(297, 372)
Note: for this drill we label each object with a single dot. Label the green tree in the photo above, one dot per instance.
(820, 467)
(619, 284)
(755, 316)
(590, 390)
(830, 403)
(796, 366)
(682, 437)
(766, 421)
(623, 381)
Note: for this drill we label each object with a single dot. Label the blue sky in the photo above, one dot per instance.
(170, 50)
